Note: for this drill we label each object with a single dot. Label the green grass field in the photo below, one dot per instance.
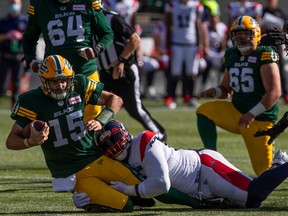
(25, 183)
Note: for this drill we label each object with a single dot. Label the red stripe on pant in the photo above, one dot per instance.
(229, 174)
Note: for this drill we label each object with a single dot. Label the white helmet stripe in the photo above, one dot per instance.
(57, 62)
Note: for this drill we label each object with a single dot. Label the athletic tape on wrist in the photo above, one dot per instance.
(26, 143)
(105, 116)
(257, 109)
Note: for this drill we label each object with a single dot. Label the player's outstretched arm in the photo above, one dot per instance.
(276, 130)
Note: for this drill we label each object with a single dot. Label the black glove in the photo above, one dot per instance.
(276, 130)
(90, 52)
(28, 60)
(277, 36)
(98, 49)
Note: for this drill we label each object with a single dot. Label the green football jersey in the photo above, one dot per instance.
(69, 147)
(246, 81)
(65, 29)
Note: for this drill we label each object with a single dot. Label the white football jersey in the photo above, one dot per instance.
(184, 21)
(159, 29)
(157, 161)
(126, 8)
(236, 9)
(216, 37)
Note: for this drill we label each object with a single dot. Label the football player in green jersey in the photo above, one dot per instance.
(67, 26)
(252, 81)
(66, 141)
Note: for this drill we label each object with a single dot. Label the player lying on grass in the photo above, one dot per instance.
(66, 141)
(203, 174)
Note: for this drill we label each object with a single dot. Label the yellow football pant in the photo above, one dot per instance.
(226, 116)
(91, 111)
(94, 180)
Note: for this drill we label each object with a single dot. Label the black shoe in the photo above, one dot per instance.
(137, 201)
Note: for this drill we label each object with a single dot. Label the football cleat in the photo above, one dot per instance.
(170, 103)
(280, 157)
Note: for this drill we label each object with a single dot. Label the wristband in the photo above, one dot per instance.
(122, 59)
(137, 190)
(258, 109)
(218, 91)
(26, 143)
(105, 116)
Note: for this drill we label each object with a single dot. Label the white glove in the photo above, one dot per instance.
(80, 200)
(120, 186)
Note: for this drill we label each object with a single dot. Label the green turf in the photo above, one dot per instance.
(25, 183)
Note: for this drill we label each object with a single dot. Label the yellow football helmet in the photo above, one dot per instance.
(250, 41)
(64, 1)
(55, 67)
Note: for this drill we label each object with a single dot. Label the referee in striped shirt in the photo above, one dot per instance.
(119, 72)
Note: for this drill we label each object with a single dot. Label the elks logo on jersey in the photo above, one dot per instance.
(252, 59)
(79, 7)
(74, 100)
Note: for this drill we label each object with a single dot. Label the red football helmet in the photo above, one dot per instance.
(114, 140)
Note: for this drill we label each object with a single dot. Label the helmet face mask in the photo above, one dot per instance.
(245, 33)
(285, 31)
(113, 140)
(64, 1)
(55, 68)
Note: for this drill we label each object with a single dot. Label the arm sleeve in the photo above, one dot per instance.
(157, 173)
(31, 34)
(90, 89)
(102, 29)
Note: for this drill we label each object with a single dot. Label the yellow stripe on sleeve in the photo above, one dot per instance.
(91, 87)
(31, 10)
(26, 113)
(269, 56)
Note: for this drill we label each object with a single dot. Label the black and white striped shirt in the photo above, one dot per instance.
(122, 32)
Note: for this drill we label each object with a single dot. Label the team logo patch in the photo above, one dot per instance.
(79, 7)
(74, 100)
(252, 59)
(269, 56)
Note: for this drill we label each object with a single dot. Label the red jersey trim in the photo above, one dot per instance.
(146, 138)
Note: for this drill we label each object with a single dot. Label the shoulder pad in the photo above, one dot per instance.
(148, 136)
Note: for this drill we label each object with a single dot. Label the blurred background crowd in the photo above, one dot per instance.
(160, 75)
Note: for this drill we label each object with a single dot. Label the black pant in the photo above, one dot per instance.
(11, 63)
(128, 88)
